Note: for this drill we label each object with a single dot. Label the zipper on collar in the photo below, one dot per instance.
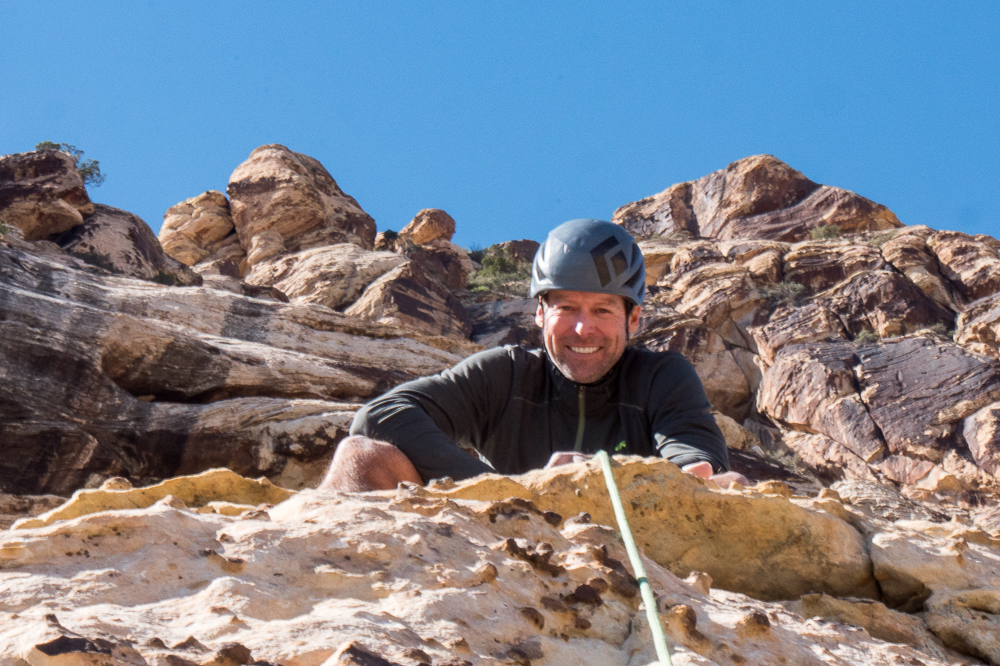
(582, 404)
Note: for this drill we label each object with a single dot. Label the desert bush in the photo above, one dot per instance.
(90, 170)
(826, 232)
(787, 293)
(880, 240)
(866, 337)
(501, 275)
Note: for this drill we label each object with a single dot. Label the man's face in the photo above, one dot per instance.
(584, 332)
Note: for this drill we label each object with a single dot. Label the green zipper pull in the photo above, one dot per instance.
(579, 424)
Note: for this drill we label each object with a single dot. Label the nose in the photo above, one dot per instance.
(584, 324)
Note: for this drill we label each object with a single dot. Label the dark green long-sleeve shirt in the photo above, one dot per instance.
(515, 408)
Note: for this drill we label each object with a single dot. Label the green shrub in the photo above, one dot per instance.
(95, 259)
(4, 229)
(90, 170)
(476, 253)
(941, 329)
(866, 337)
(881, 239)
(789, 294)
(501, 275)
(826, 232)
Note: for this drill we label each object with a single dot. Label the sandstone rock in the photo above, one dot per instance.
(790, 326)
(968, 621)
(229, 259)
(756, 197)
(505, 322)
(725, 297)
(122, 243)
(193, 229)
(115, 377)
(824, 457)
(456, 266)
(669, 532)
(410, 296)
(815, 387)
(428, 225)
(521, 251)
(332, 275)
(41, 193)
(982, 434)
(392, 577)
(885, 302)
(908, 253)
(15, 507)
(291, 194)
(881, 622)
(265, 245)
(916, 390)
(663, 328)
(193, 491)
(978, 326)
(971, 265)
(819, 265)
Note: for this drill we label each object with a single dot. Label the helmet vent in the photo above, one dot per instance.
(599, 263)
(619, 263)
(631, 282)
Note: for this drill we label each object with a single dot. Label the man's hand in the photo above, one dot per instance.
(703, 470)
(567, 457)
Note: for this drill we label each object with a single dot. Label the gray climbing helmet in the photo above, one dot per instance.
(590, 255)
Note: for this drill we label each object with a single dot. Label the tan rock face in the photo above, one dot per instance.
(971, 265)
(41, 193)
(819, 265)
(412, 296)
(756, 197)
(663, 328)
(122, 243)
(427, 576)
(520, 250)
(150, 379)
(505, 322)
(981, 432)
(195, 228)
(332, 275)
(908, 253)
(291, 194)
(428, 225)
(978, 326)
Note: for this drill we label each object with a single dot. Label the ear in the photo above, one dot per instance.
(540, 316)
(633, 319)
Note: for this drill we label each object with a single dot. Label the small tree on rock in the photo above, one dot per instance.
(90, 170)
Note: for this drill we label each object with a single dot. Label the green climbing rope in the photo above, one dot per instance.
(659, 638)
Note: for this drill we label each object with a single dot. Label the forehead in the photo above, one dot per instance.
(584, 299)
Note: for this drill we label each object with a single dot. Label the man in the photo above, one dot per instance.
(525, 409)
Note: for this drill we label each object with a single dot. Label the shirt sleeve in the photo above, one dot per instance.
(684, 430)
(426, 417)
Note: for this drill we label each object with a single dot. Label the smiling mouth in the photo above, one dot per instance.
(584, 350)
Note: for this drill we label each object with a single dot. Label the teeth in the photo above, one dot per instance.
(584, 350)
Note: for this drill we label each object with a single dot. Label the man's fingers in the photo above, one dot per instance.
(702, 470)
(567, 457)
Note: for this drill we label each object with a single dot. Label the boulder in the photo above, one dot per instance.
(505, 322)
(122, 243)
(973, 266)
(812, 388)
(819, 265)
(722, 295)
(429, 225)
(291, 195)
(908, 253)
(521, 251)
(456, 266)
(885, 302)
(828, 555)
(978, 326)
(41, 193)
(981, 432)
(756, 197)
(796, 325)
(412, 296)
(331, 275)
(827, 459)
(109, 376)
(917, 391)
(196, 227)
(663, 328)
(411, 577)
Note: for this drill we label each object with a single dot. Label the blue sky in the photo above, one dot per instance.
(515, 116)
